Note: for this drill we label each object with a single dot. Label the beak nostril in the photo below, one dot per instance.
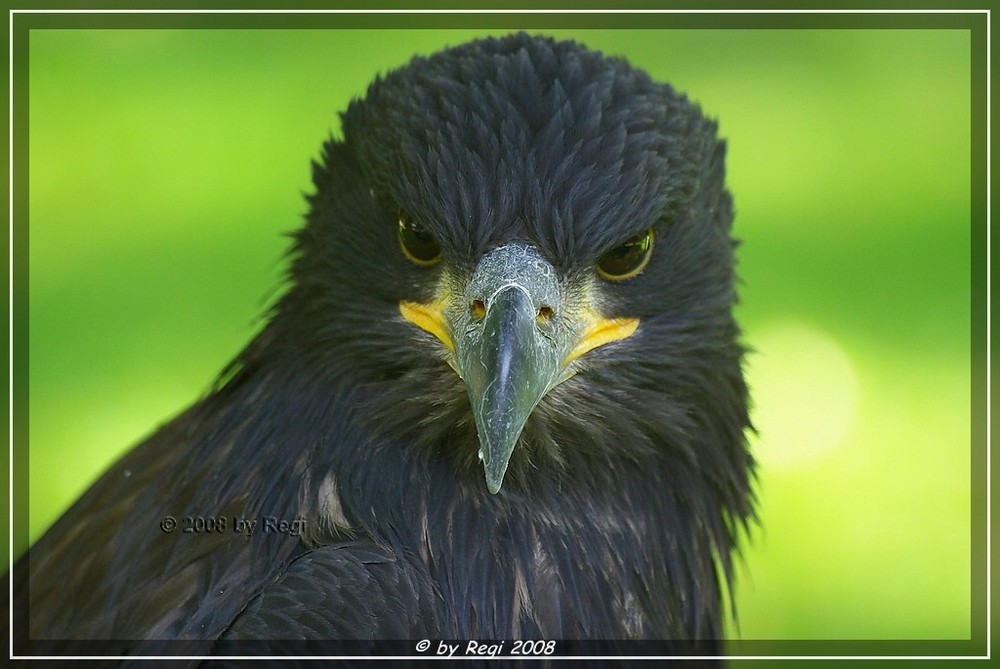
(545, 313)
(478, 309)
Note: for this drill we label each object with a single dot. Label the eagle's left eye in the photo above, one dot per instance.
(627, 260)
(418, 245)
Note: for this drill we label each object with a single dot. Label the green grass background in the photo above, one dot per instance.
(166, 166)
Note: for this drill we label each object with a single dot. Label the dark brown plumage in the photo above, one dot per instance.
(518, 260)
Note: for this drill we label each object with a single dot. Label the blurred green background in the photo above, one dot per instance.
(166, 166)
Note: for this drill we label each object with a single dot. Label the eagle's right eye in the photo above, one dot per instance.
(418, 245)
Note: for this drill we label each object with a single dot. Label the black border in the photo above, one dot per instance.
(976, 23)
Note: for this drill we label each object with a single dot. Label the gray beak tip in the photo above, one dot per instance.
(506, 361)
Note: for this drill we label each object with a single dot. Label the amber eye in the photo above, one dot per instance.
(627, 260)
(418, 245)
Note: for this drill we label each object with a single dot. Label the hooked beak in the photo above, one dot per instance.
(508, 365)
(512, 338)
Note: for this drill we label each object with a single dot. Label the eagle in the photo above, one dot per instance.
(501, 398)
